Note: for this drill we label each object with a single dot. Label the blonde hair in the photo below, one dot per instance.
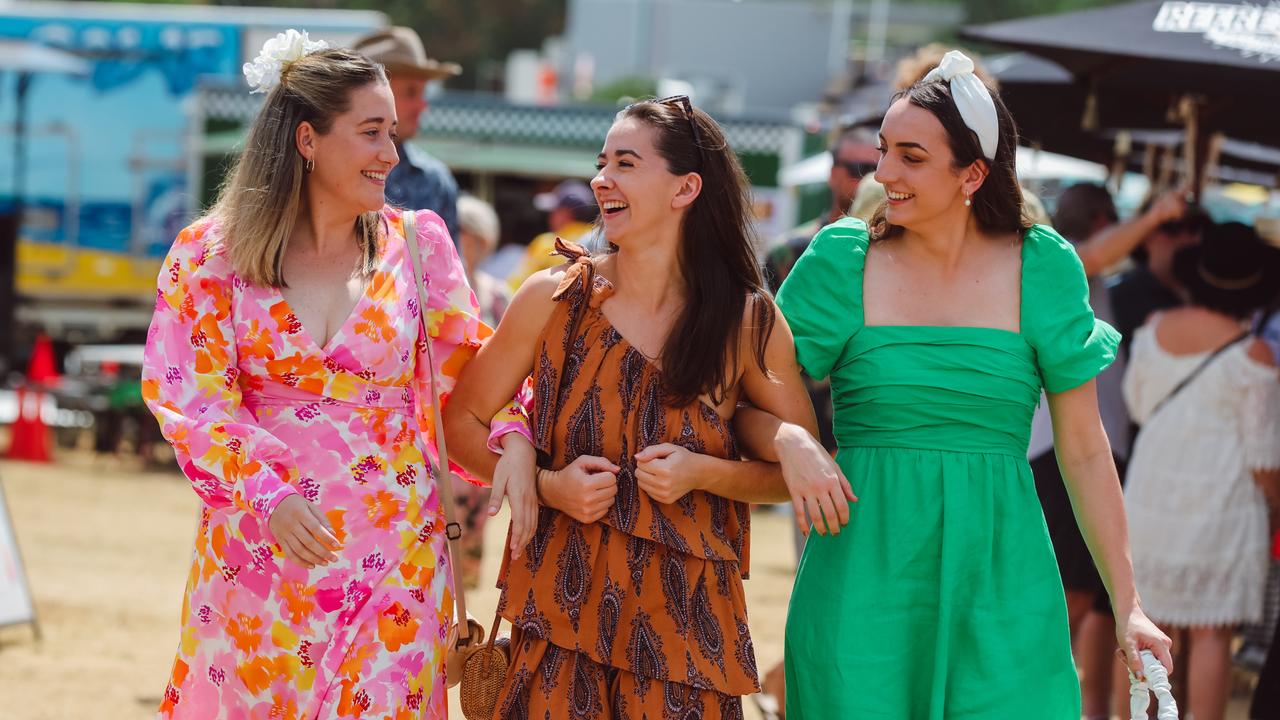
(478, 218)
(912, 69)
(1034, 208)
(866, 199)
(258, 205)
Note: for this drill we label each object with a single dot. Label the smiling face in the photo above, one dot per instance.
(917, 169)
(636, 192)
(352, 159)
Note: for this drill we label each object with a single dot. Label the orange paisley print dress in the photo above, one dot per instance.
(641, 614)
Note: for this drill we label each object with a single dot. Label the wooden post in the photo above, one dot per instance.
(1191, 109)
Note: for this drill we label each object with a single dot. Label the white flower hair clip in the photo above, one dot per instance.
(265, 70)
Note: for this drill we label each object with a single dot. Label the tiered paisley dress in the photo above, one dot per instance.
(642, 614)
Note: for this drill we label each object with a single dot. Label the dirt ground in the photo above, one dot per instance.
(106, 548)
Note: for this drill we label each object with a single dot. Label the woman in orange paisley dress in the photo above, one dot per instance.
(628, 602)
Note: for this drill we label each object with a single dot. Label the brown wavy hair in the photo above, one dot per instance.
(717, 252)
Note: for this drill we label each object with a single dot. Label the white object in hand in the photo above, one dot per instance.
(1154, 680)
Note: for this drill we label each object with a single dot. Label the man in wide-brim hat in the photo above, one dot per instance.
(420, 181)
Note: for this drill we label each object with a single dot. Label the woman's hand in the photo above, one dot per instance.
(303, 532)
(818, 487)
(514, 478)
(1136, 632)
(584, 490)
(668, 472)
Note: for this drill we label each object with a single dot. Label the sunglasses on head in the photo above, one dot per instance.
(686, 105)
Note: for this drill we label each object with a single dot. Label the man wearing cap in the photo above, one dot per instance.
(419, 181)
(571, 210)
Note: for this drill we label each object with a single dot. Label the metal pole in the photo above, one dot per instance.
(11, 228)
(877, 31)
(838, 50)
(19, 138)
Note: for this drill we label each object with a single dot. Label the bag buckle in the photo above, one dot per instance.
(453, 531)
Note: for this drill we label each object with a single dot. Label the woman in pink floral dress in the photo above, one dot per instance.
(284, 367)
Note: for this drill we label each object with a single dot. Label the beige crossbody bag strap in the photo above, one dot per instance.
(442, 473)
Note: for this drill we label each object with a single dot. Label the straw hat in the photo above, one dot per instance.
(1231, 269)
(400, 51)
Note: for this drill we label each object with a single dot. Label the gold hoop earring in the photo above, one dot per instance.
(310, 166)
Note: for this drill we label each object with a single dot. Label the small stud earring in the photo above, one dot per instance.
(967, 202)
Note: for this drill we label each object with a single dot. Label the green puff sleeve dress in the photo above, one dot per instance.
(941, 598)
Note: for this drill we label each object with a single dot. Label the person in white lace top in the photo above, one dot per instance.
(1210, 427)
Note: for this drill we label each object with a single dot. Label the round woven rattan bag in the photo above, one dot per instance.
(483, 673)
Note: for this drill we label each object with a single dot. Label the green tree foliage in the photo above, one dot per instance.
(625, 89)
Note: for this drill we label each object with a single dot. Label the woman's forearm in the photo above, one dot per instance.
(468, 439)
(761, 434)
(752, 481)
(755, 430)
(1094, 488)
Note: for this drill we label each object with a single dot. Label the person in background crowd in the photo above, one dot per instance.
(1146, 287)
(853, 157)
(915, 66)
(419, 181)
(1266, 696)
(1086, 216)
(571, 210)
(866, 199)
(1150, 284)
(1207, 396)
(478, 232)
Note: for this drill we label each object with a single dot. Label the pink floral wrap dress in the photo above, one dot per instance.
(257, 411)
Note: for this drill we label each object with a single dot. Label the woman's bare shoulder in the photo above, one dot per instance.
(534, 301)
(1188, 330)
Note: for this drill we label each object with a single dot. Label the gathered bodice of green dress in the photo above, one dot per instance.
(961, 389)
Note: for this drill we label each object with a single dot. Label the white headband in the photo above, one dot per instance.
(972, 99)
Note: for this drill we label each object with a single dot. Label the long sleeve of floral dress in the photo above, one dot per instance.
(453, 320)
(189, 381)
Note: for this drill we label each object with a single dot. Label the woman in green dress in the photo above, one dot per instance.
(938, 329)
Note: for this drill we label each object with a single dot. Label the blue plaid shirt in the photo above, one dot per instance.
(421, 182)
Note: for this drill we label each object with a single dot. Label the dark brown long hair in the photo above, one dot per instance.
(717, 257)
(997, 205)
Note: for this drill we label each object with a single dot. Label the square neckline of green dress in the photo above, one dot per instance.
(975, 329)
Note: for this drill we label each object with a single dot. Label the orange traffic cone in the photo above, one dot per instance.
(40, 369)
(29, 438)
